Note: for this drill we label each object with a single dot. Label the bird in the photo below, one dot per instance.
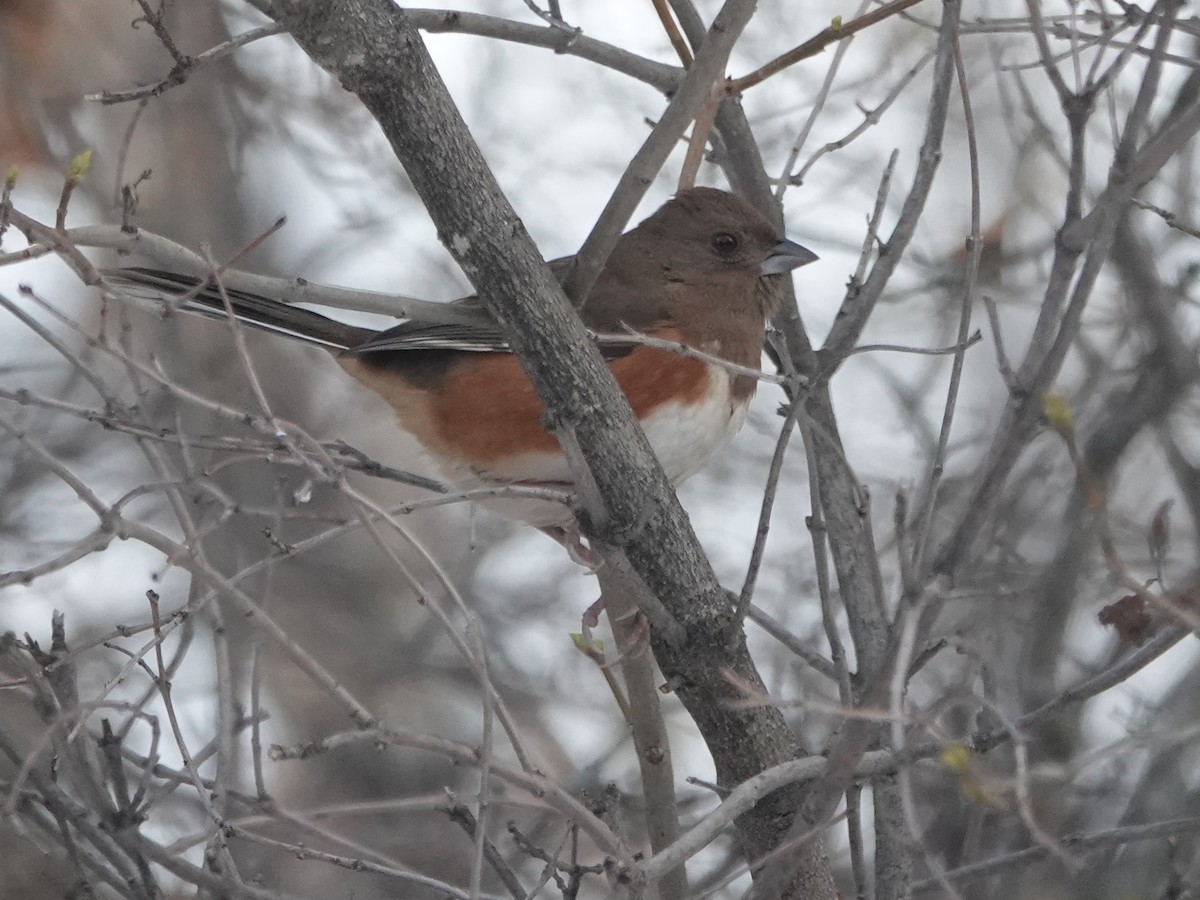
(702, 272)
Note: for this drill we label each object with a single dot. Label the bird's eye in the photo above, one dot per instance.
(724, 242)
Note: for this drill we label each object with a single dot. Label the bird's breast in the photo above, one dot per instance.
(685, 434)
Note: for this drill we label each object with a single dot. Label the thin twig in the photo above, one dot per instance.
(814, 45)
(1127, 834)
(462, 816)
(966, 305)
(673, 34)
(701, 130)
(818, 105)
(185, 66)
(746, 597)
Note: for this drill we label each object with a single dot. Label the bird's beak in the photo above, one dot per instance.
(786, 256)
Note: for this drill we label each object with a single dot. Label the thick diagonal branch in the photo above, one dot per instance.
(373, 49)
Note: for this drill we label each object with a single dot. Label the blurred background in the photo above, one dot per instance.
(262, 133)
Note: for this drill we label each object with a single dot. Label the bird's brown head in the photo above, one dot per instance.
(704, 232)
(706, 257)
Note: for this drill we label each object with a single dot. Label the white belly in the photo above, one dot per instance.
(684, 438)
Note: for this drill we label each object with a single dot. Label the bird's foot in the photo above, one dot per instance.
(572, 541)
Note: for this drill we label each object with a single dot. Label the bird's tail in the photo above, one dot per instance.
(196, 295)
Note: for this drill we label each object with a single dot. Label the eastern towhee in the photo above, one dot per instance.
(701, 271)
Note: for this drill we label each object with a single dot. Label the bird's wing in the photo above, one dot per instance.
(467, 326)
(195, 295)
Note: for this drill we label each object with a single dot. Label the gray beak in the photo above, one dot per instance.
(786, 256)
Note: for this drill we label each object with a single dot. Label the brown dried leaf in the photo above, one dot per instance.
(1129, 617)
